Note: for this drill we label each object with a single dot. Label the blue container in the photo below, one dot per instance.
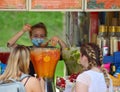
(2, 67)
(116, 57)
(108, 59)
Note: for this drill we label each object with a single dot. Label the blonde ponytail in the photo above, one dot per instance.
(106, 76)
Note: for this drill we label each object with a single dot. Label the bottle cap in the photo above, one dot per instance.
(118, 29)
(112, 28)
(102, 28)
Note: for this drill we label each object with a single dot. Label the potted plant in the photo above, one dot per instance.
(71, 57)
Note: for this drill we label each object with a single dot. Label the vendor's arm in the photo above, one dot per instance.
(12, 41)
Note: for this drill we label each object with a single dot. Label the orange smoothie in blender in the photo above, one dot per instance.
(44, 61)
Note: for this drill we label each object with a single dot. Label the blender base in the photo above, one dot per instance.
(49, 85)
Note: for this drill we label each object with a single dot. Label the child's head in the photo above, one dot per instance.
(19, 60)
(91, 55)
(38, 31)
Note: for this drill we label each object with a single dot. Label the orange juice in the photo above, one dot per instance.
(44, 61)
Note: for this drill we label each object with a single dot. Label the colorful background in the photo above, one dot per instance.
(103, 4)
(12, 22)
(12, 4)
(56, 4)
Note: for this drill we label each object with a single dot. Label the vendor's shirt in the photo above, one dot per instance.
(94, 80)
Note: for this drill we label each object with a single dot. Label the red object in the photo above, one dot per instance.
(61, 82)
(4, 57)
(94, 17)
(118, 45)
(73, 77)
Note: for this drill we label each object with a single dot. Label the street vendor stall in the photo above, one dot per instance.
(83, 21)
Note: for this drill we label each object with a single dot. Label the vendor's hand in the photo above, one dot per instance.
(26, 27)
(54, 40)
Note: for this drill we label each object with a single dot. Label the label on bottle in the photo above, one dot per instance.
(105, 50)
(113, 68)
(113, 45)
(99, 42)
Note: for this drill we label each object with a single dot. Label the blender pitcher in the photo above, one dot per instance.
(44, 61)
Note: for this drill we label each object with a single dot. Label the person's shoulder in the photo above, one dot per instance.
(87, 72)
(84, 74)
(33, 79)
(83, 78)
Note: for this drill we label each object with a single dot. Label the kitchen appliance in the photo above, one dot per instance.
(44, 61)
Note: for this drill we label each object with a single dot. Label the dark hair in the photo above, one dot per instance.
(92, 52)
(38, 25)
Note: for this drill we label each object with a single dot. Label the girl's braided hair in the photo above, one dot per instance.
(94, 55)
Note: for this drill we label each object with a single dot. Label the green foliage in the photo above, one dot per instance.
(12, 22)
(71, 57)
(71, 54)
(75, 55)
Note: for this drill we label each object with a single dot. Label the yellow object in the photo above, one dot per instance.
(115, 80)
(47, 58)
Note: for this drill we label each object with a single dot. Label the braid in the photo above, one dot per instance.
(91, 64)
(100, 57)
(91, 56)
(106, 76)
(94, 55)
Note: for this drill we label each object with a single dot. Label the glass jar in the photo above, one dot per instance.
(118, 36)
(113, 39)
(102, 40)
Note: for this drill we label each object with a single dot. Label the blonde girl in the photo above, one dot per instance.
(18, 64)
